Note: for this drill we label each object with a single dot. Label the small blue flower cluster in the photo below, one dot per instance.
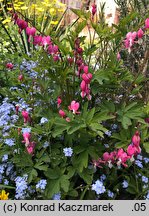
(145, 179)
(98, 187)
(125, 184)
(103, 177)
(46, 144)
(5, 158)
(146, 160)
(26, 130)
(110, 194)
(23, 105)
(6, 170)
(28, 66)
(6, 109)
(141, 161)
(57, 196)
(10, 142)
(41, 184)
(108, 133)
(43, 120)
(68, 152)
(21, 187)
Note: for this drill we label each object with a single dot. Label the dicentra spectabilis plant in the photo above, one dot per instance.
(74, 111)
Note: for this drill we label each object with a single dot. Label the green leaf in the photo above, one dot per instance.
(80, 148)
(31, 176)
(23, 160)
(92, 152)
(126, 113)
(58, 130)
(126, 122)
(132, 189)
(6, 186)
(71, 172)
(85, 110)
(53, 173)
(73, 193)
(60, 126)
(87, 175)
(45, 158)
(101, 76)
(108, 106)
(146, 146)
(81, 13)
(98, 128)
(81, 161)
(102, 116)
(90, 115)
(80, 26)
(53, 187)
(41, 167)
(91, 50)
(76, 126)
(64, 183)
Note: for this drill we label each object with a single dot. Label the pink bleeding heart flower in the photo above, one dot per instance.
(52, 49)
(147, 23)
(37, 40)
(20, 77)
(74, 106)
(87, 77)
(118, 56)
(81, 67)
(56, 58)
(87, 90)
(46, 40)
(83, 85)
(140, 33)
(97, 163)
(22, 24)
(130, 40)
(70, 60)
(79, 50)
(62, 113)
(83, 94)
(94, 9)
(131, 36)
(30, 148)
(136, 139)
(122, 157)
(131, 150)
(59, 101)
(113, 155)
(108, 158)
(26, 136)
(89, 97)
(25, 115)
(30, 32)
(85, 69)
(67, 119)
(15, 17)
(9, 66)
(79, 63)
